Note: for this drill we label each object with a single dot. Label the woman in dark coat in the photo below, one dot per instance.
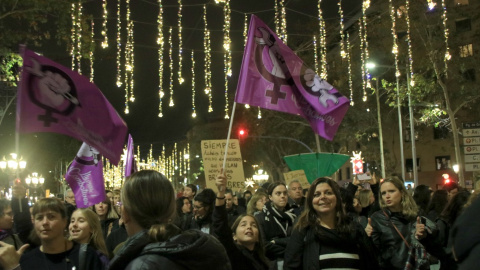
(245, 249)
(325, 237)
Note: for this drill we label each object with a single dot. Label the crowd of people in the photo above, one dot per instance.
(148, 225)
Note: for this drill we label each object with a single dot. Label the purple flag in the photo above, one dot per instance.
(85, 177)
(273, 77)
(130, 165)
(53, 98)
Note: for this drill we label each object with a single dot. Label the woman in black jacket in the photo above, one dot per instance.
(398, 212)
(148, 200)
(245, 249)
(276, 222)
(325, 237)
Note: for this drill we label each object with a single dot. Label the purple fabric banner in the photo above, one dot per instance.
(85, 177)
(273, 77)
(53, 98)
(130, 165)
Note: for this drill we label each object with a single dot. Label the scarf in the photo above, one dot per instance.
(287, 217)
(4, 234)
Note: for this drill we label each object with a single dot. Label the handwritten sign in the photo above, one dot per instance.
(297, 175)
(213, 152)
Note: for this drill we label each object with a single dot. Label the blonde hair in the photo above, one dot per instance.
(252, 204)
(409, 207)
(96, 241)
(364, 197)
(149, 198)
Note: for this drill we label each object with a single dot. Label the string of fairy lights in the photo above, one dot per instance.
(208, 60)
(323, 43)
(160, 43)
(104, 25)
(227, 58)
(125, 47)
(194, 112)
(180, 46)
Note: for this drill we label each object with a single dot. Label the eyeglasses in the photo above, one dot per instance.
(198, 207)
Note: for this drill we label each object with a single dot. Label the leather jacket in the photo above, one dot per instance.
(392, 250)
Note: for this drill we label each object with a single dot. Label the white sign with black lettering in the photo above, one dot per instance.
(471, 141)
(472, 149)
(472, 167)
(472, 158)
(471, 132)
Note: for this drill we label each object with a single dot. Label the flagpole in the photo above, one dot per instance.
(317, 139)
(228, 136)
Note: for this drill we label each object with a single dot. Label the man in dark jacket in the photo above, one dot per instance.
(233, 211)
(295, 197)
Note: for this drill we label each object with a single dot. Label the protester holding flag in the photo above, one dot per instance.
(245, 249)
(148, 204)
(55, 251)
(325, 237)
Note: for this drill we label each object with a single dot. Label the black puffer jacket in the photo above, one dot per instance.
(189, 250)
(393, 252)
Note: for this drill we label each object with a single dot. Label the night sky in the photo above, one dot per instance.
(142, 121)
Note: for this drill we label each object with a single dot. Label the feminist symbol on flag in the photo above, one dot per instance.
(276, 75)
(51, 89)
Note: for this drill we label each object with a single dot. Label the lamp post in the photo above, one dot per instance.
(14, 165)
(399, 106)
(34, 181)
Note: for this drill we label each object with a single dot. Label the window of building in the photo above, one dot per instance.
(347, 174)
(466, 50)
(409, 165)
(461, 2)
(443, 163)
(440, 133)
(463, 25)
(408, 133)
(469, 74)
(340, 175)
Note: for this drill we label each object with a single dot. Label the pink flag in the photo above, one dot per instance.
(53, 98)
(85, 177)
(273, 77)
(130, 165)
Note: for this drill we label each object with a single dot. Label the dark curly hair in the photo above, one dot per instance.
(207, 197)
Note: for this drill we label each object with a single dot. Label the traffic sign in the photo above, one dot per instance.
(472, 149)
(471, 132)
(472, 158)
(472, 167)
(471, 141)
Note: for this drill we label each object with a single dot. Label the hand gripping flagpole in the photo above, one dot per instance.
(228, 138)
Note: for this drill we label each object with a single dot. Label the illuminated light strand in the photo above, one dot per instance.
(160, 43)
(283, 23)
(175, 157)
(362, 58)
(194, 113)
(73, 35)
(342, 29)
(448, 56)
(78, 37)
(162, 158)
(227, 58)
(277, 17)
(395, 40)
(349, 64)
(208, 63)
(431, 4)
(180, 78)
(119, 81)
(104, 25)
(323, 45)
(180, 162)
(92, 46)
(171, 104)
(315, 53)
(189, 158)
(259, 115)
(245, 30)
(365, 6)
(409, 42)
(129, 57)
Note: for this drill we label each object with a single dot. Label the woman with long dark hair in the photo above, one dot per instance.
(245, 249)
(437, 204)
(325, 237)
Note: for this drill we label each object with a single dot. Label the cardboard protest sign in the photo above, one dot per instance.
(213, 152)
(296, 175)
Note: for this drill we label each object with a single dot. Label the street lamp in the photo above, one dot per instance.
(372, 65)
(34, 180)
